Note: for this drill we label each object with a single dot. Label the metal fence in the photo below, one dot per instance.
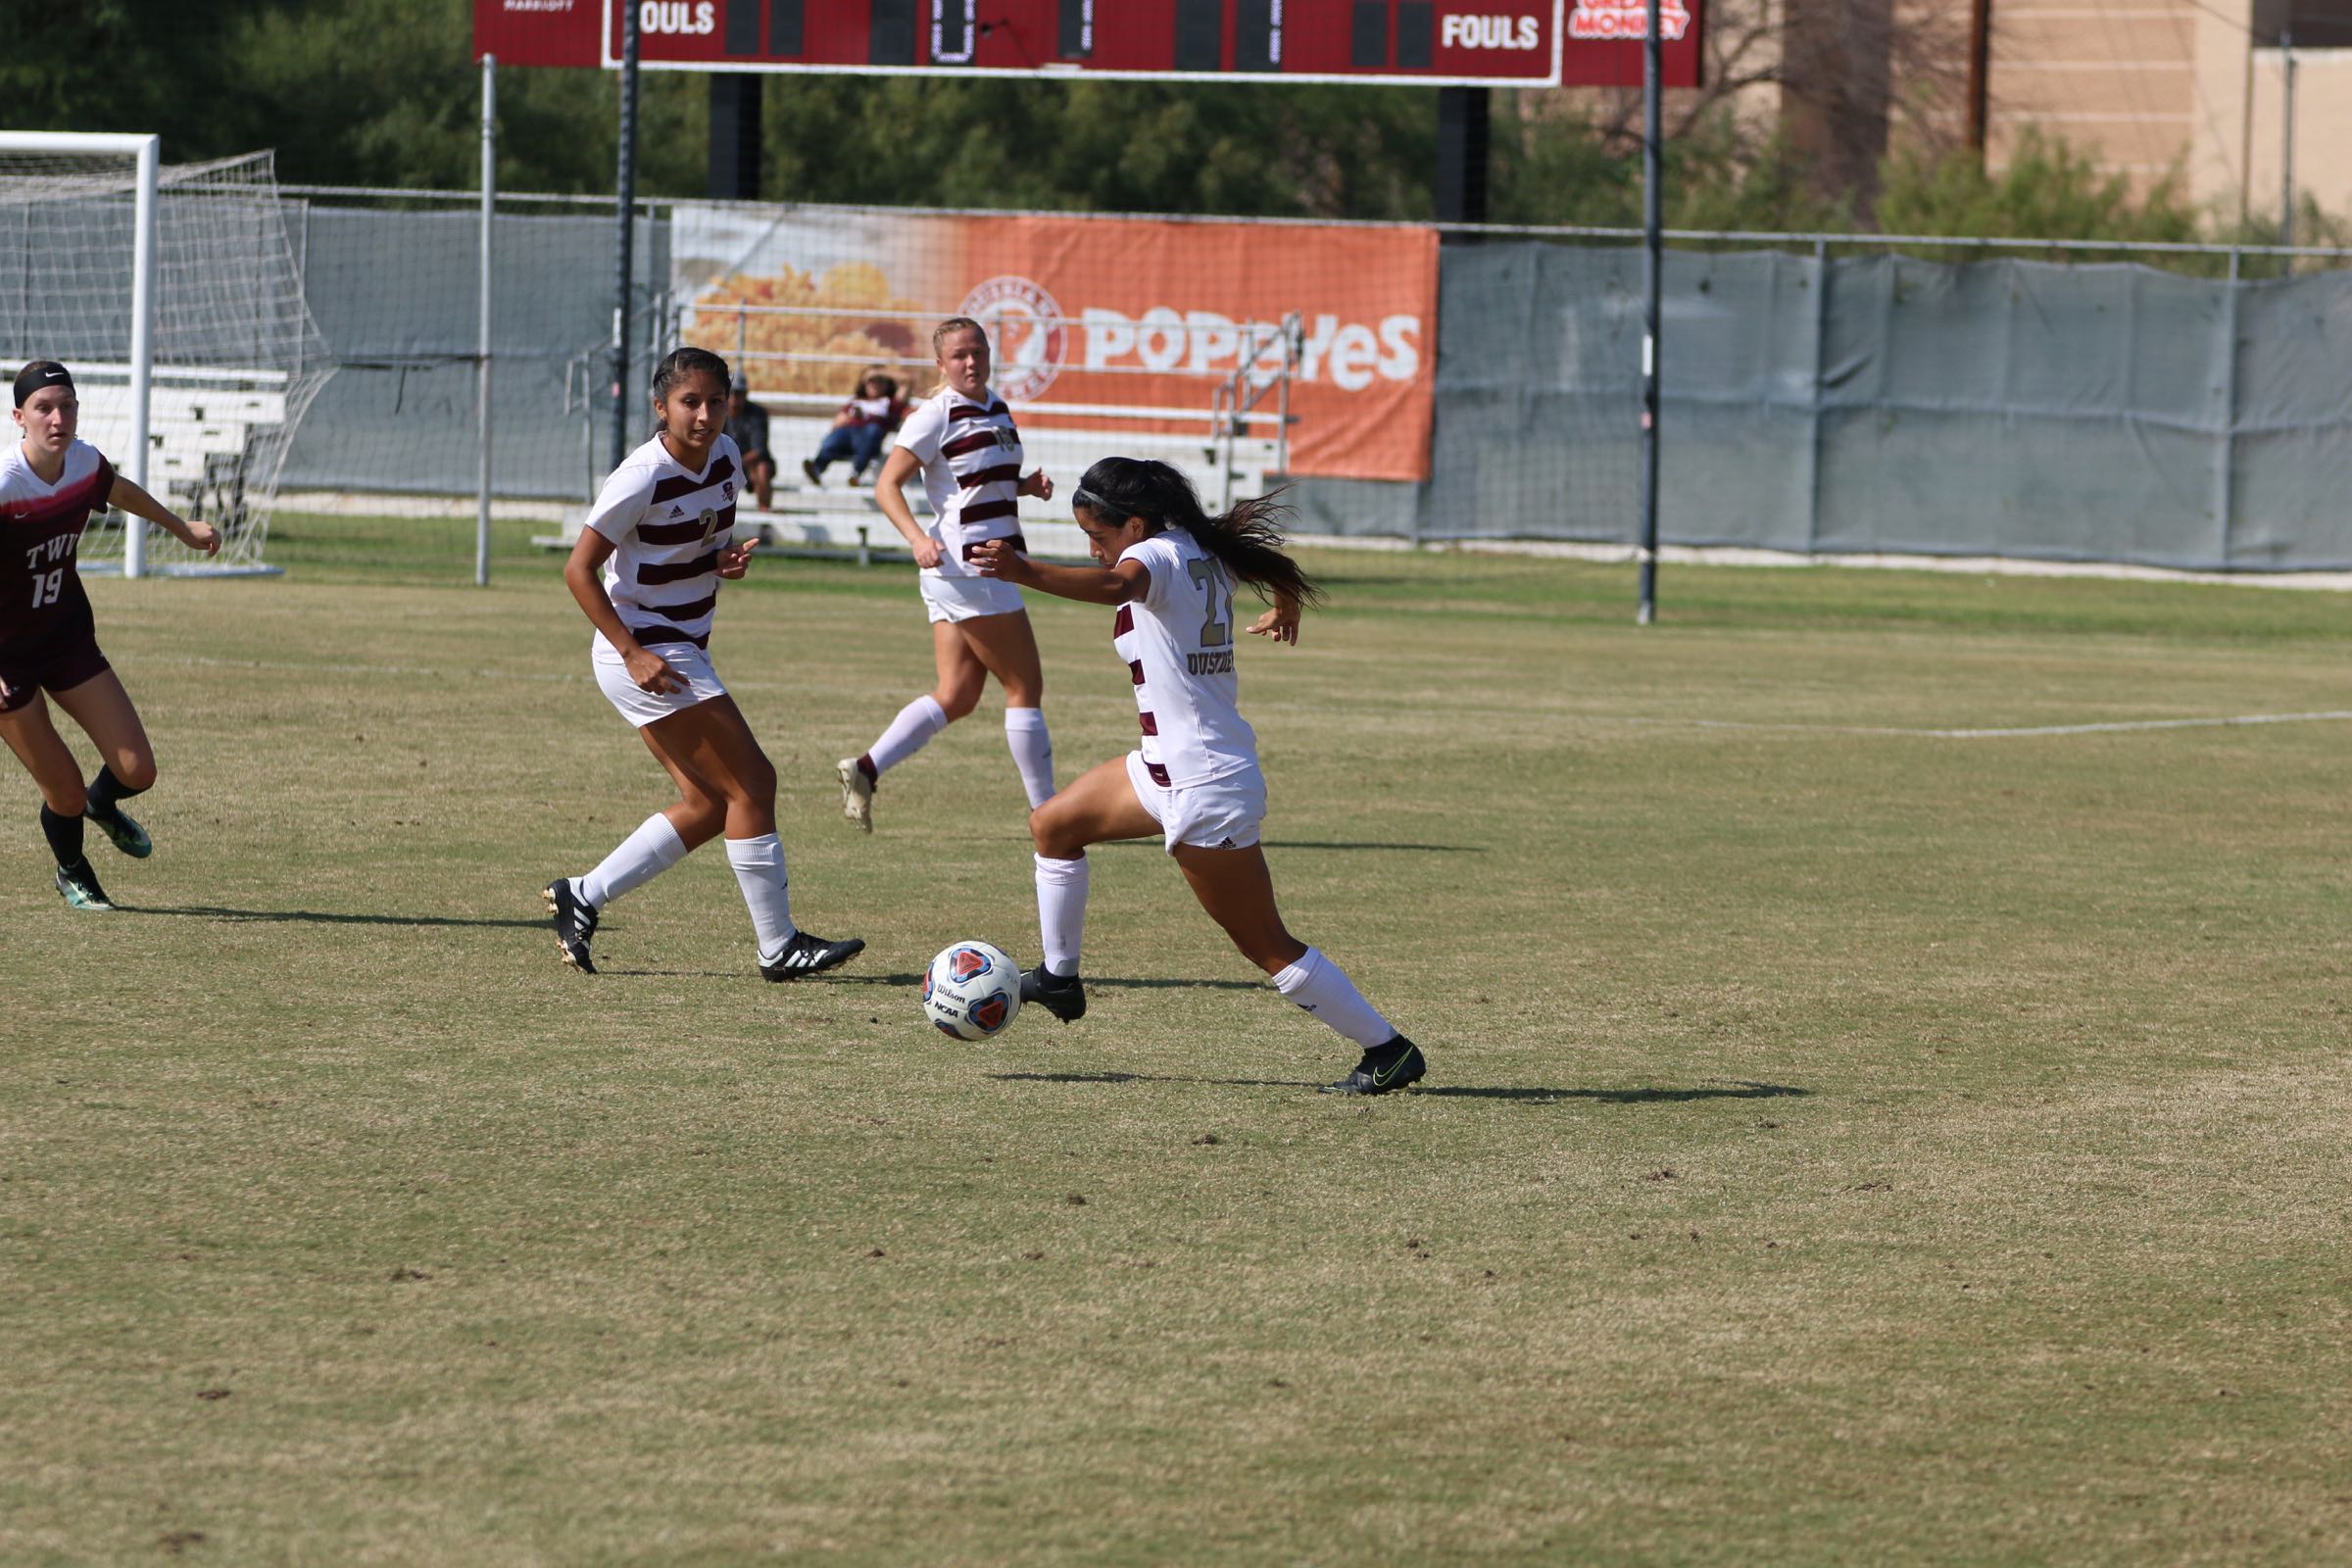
(1815, 398)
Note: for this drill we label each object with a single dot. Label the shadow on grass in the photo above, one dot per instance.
(1154, 844)
(1093, 983)
(206, 912)
(1740, 1089)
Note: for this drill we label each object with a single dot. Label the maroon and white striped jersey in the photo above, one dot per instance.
(1178, 644)
(40, 542)
(972, 458)
(667, 525)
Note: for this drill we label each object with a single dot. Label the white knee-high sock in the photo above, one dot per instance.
(766, 892)
(641, 856)
(1323, 988)
(1061, 910)
(1032, 751)
(907, 733)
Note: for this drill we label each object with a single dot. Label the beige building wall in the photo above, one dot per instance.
(2323, 132)
(2157, 89)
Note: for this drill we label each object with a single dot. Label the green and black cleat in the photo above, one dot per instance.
(1384, 1070)
(79, 885)
(122, 832)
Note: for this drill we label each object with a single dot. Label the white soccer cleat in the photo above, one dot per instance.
(856, 793)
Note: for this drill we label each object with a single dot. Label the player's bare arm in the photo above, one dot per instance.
(890, 494)
(583, 576)
(1089, 585)
(139, 504)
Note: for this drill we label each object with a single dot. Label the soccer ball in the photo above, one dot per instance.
(972, 991)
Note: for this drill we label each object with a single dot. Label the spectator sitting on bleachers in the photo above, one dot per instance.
(747, 423)
(873, 411)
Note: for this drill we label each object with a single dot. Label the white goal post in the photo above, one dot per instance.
(174, 293)
(146, 152)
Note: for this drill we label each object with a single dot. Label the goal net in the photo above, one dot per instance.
(199, 399)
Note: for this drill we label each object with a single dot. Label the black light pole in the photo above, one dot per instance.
(621, 402)
(1653, 245)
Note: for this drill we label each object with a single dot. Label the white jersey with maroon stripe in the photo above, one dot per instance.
(40, 541)
(971, 457)
(667, 524)
(1178, 644)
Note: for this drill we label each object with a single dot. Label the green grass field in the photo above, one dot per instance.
(1844, 1143)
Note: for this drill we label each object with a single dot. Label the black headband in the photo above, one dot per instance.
(1094, 503)
(39, 374)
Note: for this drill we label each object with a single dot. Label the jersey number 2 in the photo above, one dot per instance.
(48, 588)
(1215, 631)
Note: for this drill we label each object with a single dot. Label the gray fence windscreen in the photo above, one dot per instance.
(1888, 405)
(395, 294)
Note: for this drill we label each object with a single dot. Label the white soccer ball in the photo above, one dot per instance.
(973, 991)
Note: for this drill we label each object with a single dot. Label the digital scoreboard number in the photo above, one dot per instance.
(1523, 43)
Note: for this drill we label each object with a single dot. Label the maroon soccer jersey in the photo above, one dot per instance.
(40, 543)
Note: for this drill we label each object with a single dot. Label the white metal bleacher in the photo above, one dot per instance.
(200, 422)
(837, 518)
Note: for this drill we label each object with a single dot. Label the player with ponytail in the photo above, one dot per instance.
(50, 483)
(1172, 569)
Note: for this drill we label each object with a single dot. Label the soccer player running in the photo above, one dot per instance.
(646, 570)
(50, 482)
(1172, 570)
(963, 441)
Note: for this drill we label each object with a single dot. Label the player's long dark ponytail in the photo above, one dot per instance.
(1247, 539)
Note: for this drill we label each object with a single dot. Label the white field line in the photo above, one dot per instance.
(2017, 732)
(2022, 731)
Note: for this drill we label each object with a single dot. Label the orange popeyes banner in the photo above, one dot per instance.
(1088, 315)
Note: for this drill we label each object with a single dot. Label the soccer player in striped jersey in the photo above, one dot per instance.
(50, 482)
(1172, 569)
(963, 442)
(647, 570)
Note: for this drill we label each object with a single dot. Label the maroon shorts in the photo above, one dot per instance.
(57, 662)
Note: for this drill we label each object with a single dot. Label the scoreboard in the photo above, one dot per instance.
(1510, 43)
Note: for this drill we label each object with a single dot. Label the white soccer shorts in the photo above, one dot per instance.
(641, 706)
(1224, 813)
(964, 598)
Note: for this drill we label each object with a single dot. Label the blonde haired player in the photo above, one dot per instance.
(50, 482)
(1172, 570)
(962, 440)
(647, 571)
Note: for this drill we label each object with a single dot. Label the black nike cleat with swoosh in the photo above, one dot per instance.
(1384, 1070)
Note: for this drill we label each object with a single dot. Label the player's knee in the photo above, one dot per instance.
(134, 772)
(67, 797)
(1056, 838)
(957, 704)
(757, 783)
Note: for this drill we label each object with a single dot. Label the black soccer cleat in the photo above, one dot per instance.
(575, 924)
(1062, 995)
(1384, 1070)
(806, 954)
(122, 832)
(79, 885)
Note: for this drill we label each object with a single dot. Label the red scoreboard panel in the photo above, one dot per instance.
(1512, 43)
